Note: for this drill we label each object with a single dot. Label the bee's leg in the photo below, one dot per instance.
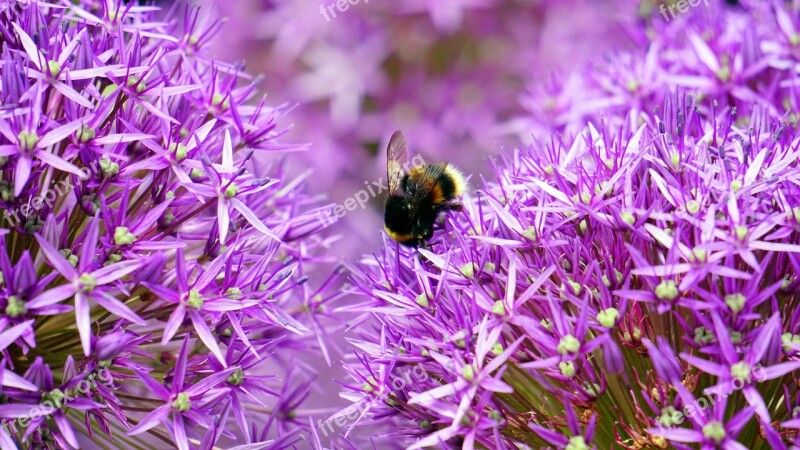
(454, 206)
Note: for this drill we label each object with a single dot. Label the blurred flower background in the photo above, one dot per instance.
(452, 74)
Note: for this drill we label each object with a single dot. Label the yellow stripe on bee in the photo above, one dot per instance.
(398, 237)
(437, 196)
(458, 180)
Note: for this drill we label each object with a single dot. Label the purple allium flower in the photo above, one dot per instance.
(634, 273)
(158, 283)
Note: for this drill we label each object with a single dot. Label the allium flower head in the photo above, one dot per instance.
(153, 267)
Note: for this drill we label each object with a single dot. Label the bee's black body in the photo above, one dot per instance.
(418, 196)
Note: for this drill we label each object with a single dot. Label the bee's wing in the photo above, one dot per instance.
(396, 157)
(426, 178)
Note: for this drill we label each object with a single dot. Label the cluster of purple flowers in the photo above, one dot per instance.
(630, 280)
(155, 257)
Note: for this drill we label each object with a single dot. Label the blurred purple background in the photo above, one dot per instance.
(461, 77)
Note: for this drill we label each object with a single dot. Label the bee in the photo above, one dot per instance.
(417, 196)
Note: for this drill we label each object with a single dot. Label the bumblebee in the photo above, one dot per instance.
(418, 195)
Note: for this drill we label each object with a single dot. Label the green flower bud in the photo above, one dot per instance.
(714, 430)
(577, 443)
(786, 339)
(724, 74)
(15, 307)
(702, 335)
(567, 368)
(33, 224)
(667, 290)
(670, 416)
(368, 384)
(54, 397)
(628, 218)
(499, 308)
(237, 377)
(85, 134)
(123, 237)
(54, 67)
(108, 167)
(568, 344)
(113, 258)
(608, 317)
(675, 159)
(735, 302)
(530, 233)
(182, 402)
(699, 255)
(231, 190)
(795, 214)
(195, 299)
(71, 258)
(468, 372)
(736, 185)
(197, 173)
(234, 293)
(109, 90)
(179, 150)
(592, 389)
(576, 287)
(741, 370)
(741, 232)
(86, 282)
(497, 349)
(219, 100)
(27, 140)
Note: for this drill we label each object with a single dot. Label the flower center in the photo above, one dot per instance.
(714, 431)
(86, 282)
(195, 299)
(15, 307)
(182, 402)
